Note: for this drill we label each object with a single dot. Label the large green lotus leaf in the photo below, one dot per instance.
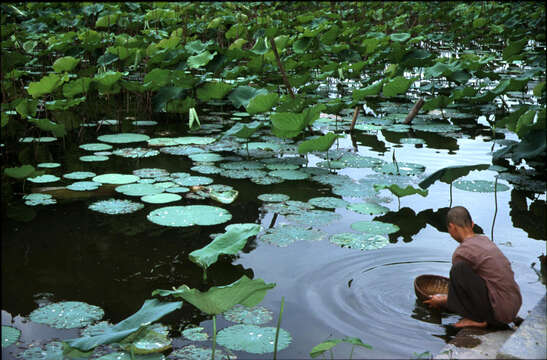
(10, 335)
(221, 298)
(199, 140)
(301, 45)
(398, 85)
(118, 179)
(373, 89)
(242, 95)
(115, 206)
(321, 143)
(464, 92)
(153, 339)
(230, 243)
(123, 138)
(510, 121)
(367, 208)
(107, 79)
(480, 186)
(26, 107)
(399, 37)
(530, 120)
(213, 90)
(79, 175)
(284, 235)
(399, 191)
(20, 172)
(151, 310)
(438, 69)
(287, 124)
(46, 85)
(360, 241)
(327, 202)
(67, 314)
(64, 104)
(514, 48)
(374, 227)
(329, 344)
(261, 103)
(450, 173)
(244, 131)
(439, 102)
(183, 216)
(256, 315)
(314, 217)
(58, 130)
(192, 352)
(197, 61)
(194, 180)
(253, 339)
(238, 165)
(106, 20)
(66, 63)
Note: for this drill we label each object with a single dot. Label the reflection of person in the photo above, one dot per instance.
(482, 284)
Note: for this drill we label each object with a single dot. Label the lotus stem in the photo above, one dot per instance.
(496, 208)
(214, 337)
(351, 352)
(278, 325)
(450, 205)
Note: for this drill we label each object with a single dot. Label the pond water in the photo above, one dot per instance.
(70, 253)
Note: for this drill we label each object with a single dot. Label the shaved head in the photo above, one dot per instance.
(459, 215)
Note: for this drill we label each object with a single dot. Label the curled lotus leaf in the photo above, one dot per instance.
(256, 315)
(273, 197)
(480, 186)
(116, 179)
(52, 350)
(367, 208)
(160, 198)
(206, 169)
(135, 152)
(93, 158)
(47, 178)
(253, 339)
(182, 216)
(49, 165)
(39, 199)
(289, 174)
(153, 340)
(359, 241)
(192, 352)
(116, 206)
(286, 234)
(95, 147)
(79, 175)
(374, 227)
(96, 329)
(150, 172)
(195, 334)
(123, 138)
(67, 314)
(314, 217)
(206, 157)
(194, 180)
(137, 189)
(10, 335)
(84, 186)
(400, 168)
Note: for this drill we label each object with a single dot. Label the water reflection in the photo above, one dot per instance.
(530, 218)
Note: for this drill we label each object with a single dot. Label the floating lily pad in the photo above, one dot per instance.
(266, 180)
(165, 184)
(289, 207)
(155, 339)
(314, 217)
(182, 216)
(135, 152)
(367, 208)
(359, 241)
(289, 174)
(96, 147)
(179, 175)
(39, 199)
(144, 122)
(177, 189)
(47, 178)
(10, 335)
(206, 169)
(117, 179)
(253, 339)
(146, 181)
(354, 190)
(115, 206)
(194, 180)
(243, 165)
(137, 189)
(256, 315)
(43, 139)
(150, 172)
(128, 356)
(51, 351)
(67, 314)
(160, 198)
(123, 138)
(196, 140)
(263, 146)
(286, 234)
(79, 175)
(93, 158)
(181, 150)
(479, 186)
(374, 227)
(84, 186)
(49, 165)
(354, 160)
(273, 197)
(192, 352)
(103, 153)
(328, 202)
(162, 141)
(97, 329)
(195, 334)
(402, 168)
(206, 157)
(331, 164)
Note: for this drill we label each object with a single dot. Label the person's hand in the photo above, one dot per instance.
(436, 301)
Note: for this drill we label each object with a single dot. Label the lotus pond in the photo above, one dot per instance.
(196, 204)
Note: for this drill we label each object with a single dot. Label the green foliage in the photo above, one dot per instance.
(400, 192)
(450, 173)
(45, 86)
(213, 90)
(21, 172)
(261, 103)
(329, 344)
(321, 143)
(397, 86)
(66, 63)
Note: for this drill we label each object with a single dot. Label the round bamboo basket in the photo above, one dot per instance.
(427, 285)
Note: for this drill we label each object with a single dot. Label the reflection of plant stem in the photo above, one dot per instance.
(399, 202)
(214, 337)
(496, 208)
(450, 205)
(328, 160)
(278, 325)
(274, 219)
(395, 162)
(351, 352)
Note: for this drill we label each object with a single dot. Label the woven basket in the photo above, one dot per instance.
(427, 285)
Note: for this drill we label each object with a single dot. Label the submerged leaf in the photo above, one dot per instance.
(256, 315)
(253, 339)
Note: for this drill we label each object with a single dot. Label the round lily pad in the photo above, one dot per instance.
(194, 180)
(179, 175)
(146, 181)
(144, 122)
(181, 150)
(47, 178)
(281, 166)
(67, 314)
(136, 152)
(177, 189)
(163, 141)
(328, 202)
(192, 352)
(123, 138)
(314, 217)
(137, 189)
(43, 139)
(93, 158)
(79, 175)
(243, 174)
(115, 206)
(195, 334)
(289, 207)
(360, 241)
(266, 180)
(206, 169)
(479, 185)
(402, 168)
(253, 339)
(255, 315)
(84, 186)
(117, 179)
(286, 234)
(206, 157)
(367, 208)
(242, 165)
(96, 147)
(52, 350)
(150, 172)
(182, 216)
(103, 153)
(273, 197)
(374, 227)
(160, 198)
(49, 165)
(289, 174)
(165, 184)
(197, 140)
(10, 335)
(39, 199)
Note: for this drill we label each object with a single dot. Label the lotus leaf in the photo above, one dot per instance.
(400, 192)
(150, 172)
(51, 351)
(256, 315)
(181, 150)
(315, 171)
(480, 186)
(20, 172)
(102, 153)
(289, 174)
(253, 339)
(123, 138)
(321, 143)
(179, 175)
(193, 180)
(162, 141)
(43, 139)
(400, 168)
(128, 356)
(353, 190)
(192, 352)
(333, 179)
(96, 329)
(281, 166)
(115, 206)
(153, 339)
(151, 310)
(45, 86)
(160, 198)
(196, 140)
(44, 179)
(273, 197)
(195, 334)
(329, 344)
(374, 227)
(10, 335)
(67, 314)
(182, 216)
(263, 146)
(266, 180)
(262, 103)
(286, 234)
(354, 160)
(450, 173)
(48, 165)
(206, 157)
(436, 127)
(206, 169)
(84, 186)
(328, 202)
(144, 123)
(412, 141)
(360, 241)
(118, 179)
(367, 208)
(92, 158)
(177, 189)
(238, 165)
(223, 196)
(39, 199)
(289, 207)
(243, 174)
(398, 85)
(332, 164)
(135, 152)
(314, 217)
